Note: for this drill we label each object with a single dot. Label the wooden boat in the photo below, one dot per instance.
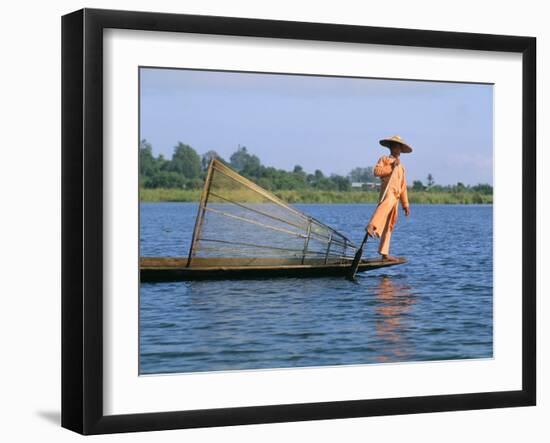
(159, 269)
(244, 231)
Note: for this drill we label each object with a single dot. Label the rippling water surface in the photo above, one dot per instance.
(438, 306)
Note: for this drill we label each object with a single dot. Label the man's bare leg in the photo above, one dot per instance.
(384, 245)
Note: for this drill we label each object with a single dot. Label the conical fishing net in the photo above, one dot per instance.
(240, 223)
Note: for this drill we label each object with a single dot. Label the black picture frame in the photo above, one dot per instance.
(82, 218)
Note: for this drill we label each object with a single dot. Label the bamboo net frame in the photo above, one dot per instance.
(238, 218)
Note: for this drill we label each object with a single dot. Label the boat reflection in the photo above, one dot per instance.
(395, 301)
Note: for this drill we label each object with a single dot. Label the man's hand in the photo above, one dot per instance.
(407, 211)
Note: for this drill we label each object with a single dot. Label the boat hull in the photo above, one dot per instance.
(167, 269)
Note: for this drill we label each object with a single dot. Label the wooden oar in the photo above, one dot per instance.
(355, 263)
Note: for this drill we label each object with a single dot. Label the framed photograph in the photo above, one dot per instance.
(268, 221)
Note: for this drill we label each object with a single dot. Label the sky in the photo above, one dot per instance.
(318, 122)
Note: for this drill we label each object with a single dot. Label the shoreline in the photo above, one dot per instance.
(327, 197)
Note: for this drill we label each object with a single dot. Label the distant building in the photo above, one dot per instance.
(365, 185)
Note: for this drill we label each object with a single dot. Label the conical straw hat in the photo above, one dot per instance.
(405, 148)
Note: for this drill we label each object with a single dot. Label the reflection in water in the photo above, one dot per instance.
(394, 302)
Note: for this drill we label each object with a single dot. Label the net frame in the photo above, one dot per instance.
(337, 248)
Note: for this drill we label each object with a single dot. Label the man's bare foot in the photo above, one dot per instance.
(387, 257)
(370, 231)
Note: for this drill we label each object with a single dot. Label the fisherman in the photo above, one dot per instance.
(392, 190)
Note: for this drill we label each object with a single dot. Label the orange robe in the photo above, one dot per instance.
(385, 215)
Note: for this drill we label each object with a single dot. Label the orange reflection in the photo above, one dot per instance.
(395, 300)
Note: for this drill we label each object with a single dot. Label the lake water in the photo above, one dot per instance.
(438, 306)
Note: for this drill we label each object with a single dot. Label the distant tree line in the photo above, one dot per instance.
(460, 187)
(187, 169)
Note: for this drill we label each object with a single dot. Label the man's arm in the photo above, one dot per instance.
(404, 197)
(384, 167)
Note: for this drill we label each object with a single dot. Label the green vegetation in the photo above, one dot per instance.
(308, 196)
(169, 195)
(181, 179)
(448, 198)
